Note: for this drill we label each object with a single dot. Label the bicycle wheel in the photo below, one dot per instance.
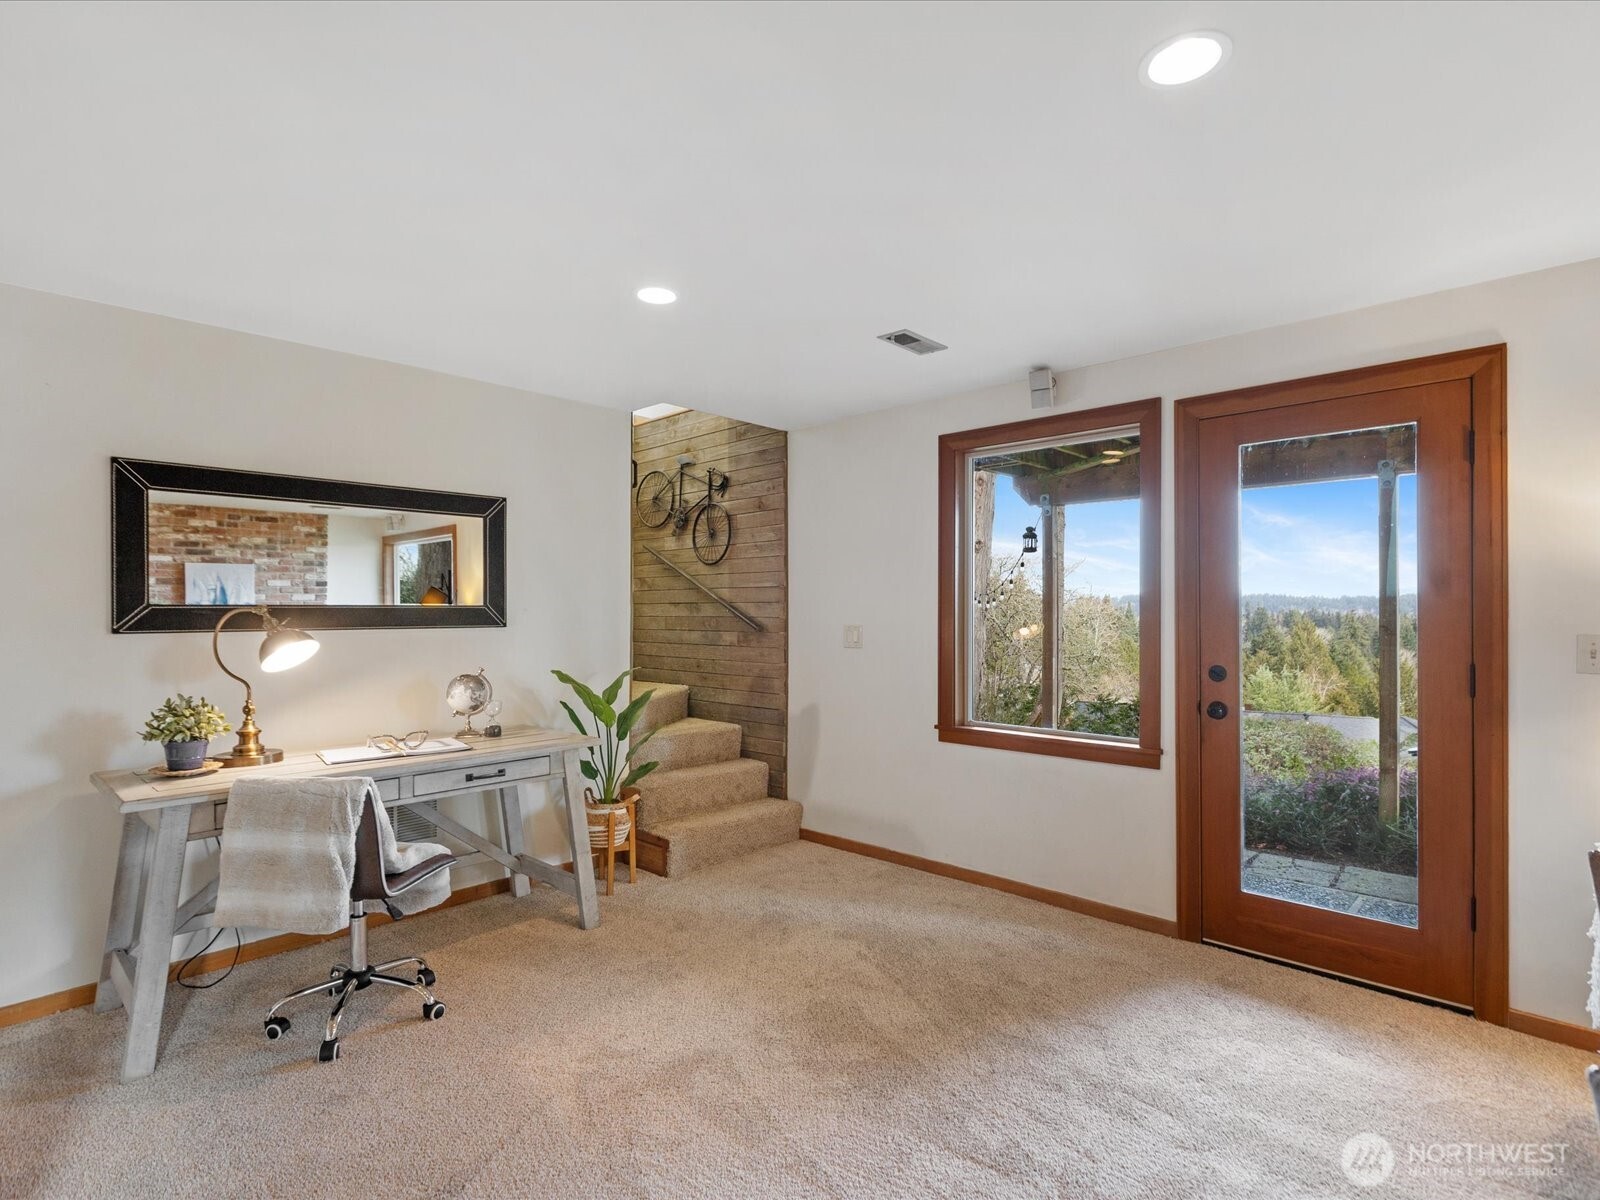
(713, 533)
(654, 499)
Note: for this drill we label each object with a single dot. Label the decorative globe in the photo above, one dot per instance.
(469, 695)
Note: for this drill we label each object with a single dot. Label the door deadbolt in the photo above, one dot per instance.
(1216, 710)
(1218, 672)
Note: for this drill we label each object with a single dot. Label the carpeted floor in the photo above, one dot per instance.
(801, 1023)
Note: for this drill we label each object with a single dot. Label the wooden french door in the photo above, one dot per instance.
(1333, 649)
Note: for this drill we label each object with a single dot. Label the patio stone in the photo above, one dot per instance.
(1382, 884)
(1294, 870)
(1315, 895)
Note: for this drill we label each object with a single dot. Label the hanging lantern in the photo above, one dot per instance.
(1030, 540)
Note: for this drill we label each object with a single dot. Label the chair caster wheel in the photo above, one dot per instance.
(277, 1027)
(328, 1051)
(434, 1011)
(426, 977)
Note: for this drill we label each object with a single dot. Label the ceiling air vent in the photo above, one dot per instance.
(913, 342)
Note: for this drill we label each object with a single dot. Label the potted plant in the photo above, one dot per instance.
(610, 766)
(185, 726)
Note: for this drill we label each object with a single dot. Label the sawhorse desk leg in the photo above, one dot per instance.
(139, 948)
(511, 829)
(124, 907)
(578, 835)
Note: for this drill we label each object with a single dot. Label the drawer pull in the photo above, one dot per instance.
(500, 774)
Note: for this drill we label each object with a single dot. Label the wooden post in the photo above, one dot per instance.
(983, 483)
(1051, 547)
(1388, 648)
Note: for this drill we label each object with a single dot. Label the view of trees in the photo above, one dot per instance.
(1099, 659)
(1321, 660)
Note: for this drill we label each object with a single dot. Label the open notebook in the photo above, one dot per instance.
(356, 754)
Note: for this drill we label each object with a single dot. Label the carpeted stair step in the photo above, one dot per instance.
(671, 795)
(693, 742)
(676, 847)
(670, 703)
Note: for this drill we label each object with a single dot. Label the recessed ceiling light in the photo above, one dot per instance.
(1185, 58)
(657, 295)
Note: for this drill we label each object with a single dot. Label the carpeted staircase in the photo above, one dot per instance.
(704, 803)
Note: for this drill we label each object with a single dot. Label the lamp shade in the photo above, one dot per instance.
(284, 648)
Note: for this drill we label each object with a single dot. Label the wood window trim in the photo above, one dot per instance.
(953, 725)
(391, 590)
(1484, 369)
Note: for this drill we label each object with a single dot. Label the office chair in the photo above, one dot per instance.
(346, 979)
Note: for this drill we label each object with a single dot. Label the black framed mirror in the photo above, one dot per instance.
(188, 543)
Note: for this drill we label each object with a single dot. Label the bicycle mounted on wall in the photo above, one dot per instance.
(661, 498)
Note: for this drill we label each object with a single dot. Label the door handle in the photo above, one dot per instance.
(1216, 710)
(1218, 673)
(500, 774)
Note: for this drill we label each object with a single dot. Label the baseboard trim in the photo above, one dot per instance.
(1552, 1030)
(216, 960)
(1077, 904)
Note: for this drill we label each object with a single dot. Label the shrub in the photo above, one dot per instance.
(1297, 750)
(1103, 715)
(1332, 817)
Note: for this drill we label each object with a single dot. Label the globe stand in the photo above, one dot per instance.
(467, 696)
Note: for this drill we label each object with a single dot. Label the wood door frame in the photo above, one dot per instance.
(1484, 369)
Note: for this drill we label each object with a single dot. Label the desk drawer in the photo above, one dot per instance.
(207, 818)
(491, 776)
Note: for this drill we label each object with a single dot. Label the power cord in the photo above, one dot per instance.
(238, 945)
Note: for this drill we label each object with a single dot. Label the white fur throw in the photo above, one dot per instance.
(289, 854)
(1594, 971)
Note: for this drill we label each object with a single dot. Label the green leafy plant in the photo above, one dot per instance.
(610, 766)
(1332, 817)
(184, 719)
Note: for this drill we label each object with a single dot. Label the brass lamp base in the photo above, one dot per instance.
(261, 759)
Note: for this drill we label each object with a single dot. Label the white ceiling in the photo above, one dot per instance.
(480, 189)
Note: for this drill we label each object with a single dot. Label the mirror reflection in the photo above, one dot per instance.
(224, 551)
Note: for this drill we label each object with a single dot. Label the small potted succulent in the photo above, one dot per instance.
(610, 766)
(185, 726)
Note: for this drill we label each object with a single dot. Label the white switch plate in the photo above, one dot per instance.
(1589, 654)
(852, 637)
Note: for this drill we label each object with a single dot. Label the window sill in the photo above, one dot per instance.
(1058, 744)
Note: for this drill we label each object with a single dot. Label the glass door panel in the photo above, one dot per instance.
(1328, 673)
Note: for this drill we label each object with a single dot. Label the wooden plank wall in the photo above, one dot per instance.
(679, 635)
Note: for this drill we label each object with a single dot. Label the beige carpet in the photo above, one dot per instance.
(802, 1023)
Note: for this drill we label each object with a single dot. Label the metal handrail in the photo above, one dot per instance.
(729, 605)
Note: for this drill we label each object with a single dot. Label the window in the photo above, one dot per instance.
(1049, 578)
(420, 568)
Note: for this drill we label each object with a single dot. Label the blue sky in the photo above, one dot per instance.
(1317, 539)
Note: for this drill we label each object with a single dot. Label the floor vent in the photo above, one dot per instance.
(411, 823)
(913, 342)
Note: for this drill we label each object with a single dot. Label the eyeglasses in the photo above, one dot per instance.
(408, 744)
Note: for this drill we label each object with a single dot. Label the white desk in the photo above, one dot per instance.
(160, 816)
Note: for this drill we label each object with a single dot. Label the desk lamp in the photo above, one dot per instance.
(281, 649)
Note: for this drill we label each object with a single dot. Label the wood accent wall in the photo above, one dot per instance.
(681, 636)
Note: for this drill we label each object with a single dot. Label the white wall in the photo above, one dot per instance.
(355, 559)
(864, 757)
(82, 382)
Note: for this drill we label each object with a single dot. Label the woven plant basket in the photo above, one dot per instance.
(598, 814)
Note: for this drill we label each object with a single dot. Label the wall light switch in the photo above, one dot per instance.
(1589, 654)
(852, 637)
